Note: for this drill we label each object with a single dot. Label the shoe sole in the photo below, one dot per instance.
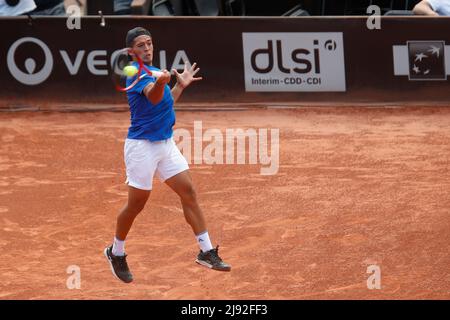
(206, 264)
(105, 252)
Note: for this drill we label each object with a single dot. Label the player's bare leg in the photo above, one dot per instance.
(183, 186)
(136, 201)
(116, 253)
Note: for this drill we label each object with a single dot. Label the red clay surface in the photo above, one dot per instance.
(355, 187)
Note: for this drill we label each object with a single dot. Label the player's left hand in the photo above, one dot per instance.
(187, 77)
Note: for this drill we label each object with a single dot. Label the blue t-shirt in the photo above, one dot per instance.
(148, 121)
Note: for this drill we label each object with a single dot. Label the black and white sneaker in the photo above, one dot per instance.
(119, 266)
(212, 260)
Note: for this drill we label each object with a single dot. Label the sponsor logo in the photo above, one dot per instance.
(32, 76)
(294, 61)
(422, 60)
(28, 73)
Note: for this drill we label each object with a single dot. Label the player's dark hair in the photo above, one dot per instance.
(134, 33)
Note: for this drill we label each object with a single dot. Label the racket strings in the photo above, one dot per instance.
(121, 80)
(123, 59)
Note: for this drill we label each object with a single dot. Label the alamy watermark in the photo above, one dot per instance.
(374, 280)
(374, 20)
(73, 21)
(213, 146)
(74, 280)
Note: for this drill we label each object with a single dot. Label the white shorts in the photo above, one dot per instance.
(143, 158)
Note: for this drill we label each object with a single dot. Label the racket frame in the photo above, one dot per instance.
(142, 68)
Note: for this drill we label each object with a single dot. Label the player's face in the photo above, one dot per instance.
(143, 46)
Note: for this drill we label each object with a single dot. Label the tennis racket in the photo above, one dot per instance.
(122, 59)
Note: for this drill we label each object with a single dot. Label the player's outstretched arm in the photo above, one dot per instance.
(155, 91)
(184, 80)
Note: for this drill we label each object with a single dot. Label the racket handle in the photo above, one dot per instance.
(157, 74)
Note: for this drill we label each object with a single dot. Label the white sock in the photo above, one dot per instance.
(118, 247)
(203, 241)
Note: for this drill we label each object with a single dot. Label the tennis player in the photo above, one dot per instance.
(150, 149)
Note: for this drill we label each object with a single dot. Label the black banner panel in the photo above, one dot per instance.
(242, 60)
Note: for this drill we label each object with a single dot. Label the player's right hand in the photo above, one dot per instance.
(164, 78)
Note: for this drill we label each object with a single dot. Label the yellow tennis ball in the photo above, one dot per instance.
(130, 71)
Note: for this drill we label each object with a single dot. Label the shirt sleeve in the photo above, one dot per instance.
(140, 86)
(435, 4)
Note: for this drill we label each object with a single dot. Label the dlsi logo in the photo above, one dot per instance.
(293, 61)
(300, 56)
(96, 62)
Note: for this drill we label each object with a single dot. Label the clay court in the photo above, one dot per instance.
(355, 187)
